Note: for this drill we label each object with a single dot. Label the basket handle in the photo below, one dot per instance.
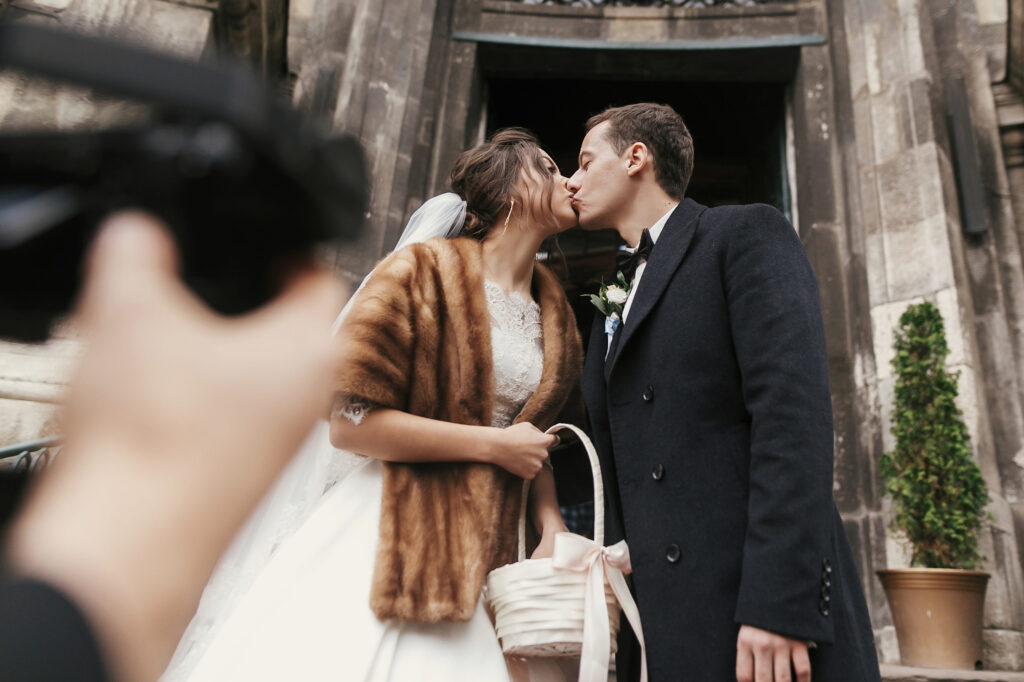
(595, 471)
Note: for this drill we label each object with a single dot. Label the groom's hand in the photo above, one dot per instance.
(763, 656)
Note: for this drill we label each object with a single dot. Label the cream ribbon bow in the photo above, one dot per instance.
(576, 553)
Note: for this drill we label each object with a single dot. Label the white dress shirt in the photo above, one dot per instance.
(655, 232)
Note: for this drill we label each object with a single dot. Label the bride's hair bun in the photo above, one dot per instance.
(487, 177)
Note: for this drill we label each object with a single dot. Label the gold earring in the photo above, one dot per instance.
(511, 206)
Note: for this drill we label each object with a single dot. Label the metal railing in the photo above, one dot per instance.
(30, 456)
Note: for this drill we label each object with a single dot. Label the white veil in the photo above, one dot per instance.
(316, 467)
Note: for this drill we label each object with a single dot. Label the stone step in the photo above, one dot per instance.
(900, 673)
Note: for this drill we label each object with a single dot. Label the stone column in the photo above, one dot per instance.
(373, 67)
(829, 166)
(992, 16)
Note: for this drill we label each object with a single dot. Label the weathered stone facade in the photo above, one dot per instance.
(32, 378)
(871, 94)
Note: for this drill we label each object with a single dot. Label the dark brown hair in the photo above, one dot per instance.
(660, 128)
(487, 177)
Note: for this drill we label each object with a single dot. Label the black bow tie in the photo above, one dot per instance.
(627, 263)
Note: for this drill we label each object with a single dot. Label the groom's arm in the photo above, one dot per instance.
(779, 342)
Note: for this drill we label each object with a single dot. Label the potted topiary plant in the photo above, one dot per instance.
(939, 499)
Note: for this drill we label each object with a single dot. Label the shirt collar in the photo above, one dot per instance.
(655, 229)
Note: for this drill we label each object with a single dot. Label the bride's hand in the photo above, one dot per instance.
(522, 449)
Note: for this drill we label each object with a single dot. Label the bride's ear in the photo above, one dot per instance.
(638, 157)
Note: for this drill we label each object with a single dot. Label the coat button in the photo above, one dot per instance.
(672, 553)
(658, 472)
(826, 566)
(826, 580)
(826, 596)
(648, 395)
(823, 607)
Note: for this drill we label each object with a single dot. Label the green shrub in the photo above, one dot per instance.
(938, 493)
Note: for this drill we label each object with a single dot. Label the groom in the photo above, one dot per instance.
(710, 409)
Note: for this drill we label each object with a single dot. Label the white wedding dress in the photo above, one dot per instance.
(306, 614)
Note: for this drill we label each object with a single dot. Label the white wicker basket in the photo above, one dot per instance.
(538, 609)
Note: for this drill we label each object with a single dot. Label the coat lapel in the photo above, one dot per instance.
(593, 385)
(665, 258)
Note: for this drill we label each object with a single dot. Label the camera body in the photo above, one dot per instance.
(248, 187)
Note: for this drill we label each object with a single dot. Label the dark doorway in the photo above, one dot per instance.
(738, 128)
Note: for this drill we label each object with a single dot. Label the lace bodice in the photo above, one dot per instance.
(517, 349)
(518, 356)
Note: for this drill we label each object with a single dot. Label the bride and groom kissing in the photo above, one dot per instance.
(708, 403)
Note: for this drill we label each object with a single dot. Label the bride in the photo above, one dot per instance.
(452, 357)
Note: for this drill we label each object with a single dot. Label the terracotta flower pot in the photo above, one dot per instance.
(938, 615)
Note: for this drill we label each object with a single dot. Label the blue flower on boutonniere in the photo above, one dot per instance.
(609, 300)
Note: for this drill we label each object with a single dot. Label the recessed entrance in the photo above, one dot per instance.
(738, 128)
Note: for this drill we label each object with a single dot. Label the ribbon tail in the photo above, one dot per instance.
(621, 591)
(596, 634)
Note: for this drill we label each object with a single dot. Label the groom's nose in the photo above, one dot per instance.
(573, 183)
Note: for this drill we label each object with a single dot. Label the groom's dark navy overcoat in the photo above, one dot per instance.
(713, 421)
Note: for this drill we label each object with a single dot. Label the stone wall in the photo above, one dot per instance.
(1015, 46)
(32, 378)
(903, 57)
(372, 67)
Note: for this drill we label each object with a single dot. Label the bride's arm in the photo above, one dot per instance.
(544, 513)
(397, 436)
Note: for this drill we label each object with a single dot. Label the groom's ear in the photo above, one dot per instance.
(638, 157)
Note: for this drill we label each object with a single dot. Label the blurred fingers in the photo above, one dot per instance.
(296, 326)
(131, 254)
(313, 297)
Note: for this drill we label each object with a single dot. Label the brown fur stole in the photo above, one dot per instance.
(418, 339)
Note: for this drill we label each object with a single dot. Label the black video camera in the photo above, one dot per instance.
(246, 185)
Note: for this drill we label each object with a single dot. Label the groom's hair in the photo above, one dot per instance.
(662, 130)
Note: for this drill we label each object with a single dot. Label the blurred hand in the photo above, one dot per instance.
(176, 422)
(522, 449)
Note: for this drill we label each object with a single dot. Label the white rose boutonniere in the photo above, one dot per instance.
(609, 300)
(615, 295)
